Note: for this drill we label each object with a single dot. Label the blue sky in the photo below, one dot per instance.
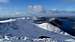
(56, 4)
(11, 6)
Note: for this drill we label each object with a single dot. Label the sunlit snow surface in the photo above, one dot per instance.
(10, 20)
(22, 28)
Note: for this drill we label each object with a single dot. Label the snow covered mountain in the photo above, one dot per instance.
(25, 28)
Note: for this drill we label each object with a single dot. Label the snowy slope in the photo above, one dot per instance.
(48, 27)
(22, 28)
(9, 20)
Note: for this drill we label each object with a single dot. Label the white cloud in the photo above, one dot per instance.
(36, 8)
(4, 1)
